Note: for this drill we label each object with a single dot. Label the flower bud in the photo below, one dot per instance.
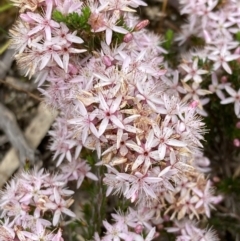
(238, 124)
(138, 228)
(141, 25)
(128, 37)
(107, 61)
(194, 104)
(236, 142)
(224, 79)
(72, 69)
(216, 179)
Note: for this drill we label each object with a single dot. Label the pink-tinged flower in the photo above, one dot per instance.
(149, 92)
(150, 41)
(171, 104)
(221, 58)
(144, 152)
(49, 52)
(235, 98)
(206, 198)
(217, 88)
(113, 182)
(39, 234)
(59, 206)
(139, 184)
(173, 84)
(118, 145)
(113, 231)
(165, 141)
(69, 6)
(64, 36)
(20, 38)
(193, 72)
(194, 92)
(220, 25)
(188, 231)
(108, 113)
(184, 186)
(186, 206)
(78, 170)
(66, 51)
(144, 63)
(26, 4)
(110, 25)
(43, 22)
(122, 5)
(85, 124)
(7, 234)
(94, 143)
(62, 148)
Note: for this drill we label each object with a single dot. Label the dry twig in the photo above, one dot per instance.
(10, 127)
(21, 90)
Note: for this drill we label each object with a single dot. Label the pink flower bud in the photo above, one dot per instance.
(141, 25)
(194, 104)
(224, 79)
(236, 142)
(238, 124)
(128, 37)
(138, 229)
(107, 61)
(157, 234)
(216, 179)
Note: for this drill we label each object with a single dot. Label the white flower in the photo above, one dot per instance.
(235, 98)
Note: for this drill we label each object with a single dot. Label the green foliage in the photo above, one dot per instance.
(197, 42)
(229, 185)
(225, 224)
(237, 36)
(169, 37)
(73, 20)
(5, 7)
(92, 40)
(172, 49)
(94, 209)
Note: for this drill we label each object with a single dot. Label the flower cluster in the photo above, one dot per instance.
(190, 231)
(29, 201)
(216, 24)
(128, 227)
(105, 74)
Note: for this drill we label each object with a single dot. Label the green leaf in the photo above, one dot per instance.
(5, 7)
(58, 16)
(238, 36)
(169, 35)
(73, 20)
